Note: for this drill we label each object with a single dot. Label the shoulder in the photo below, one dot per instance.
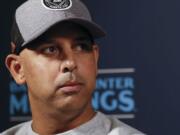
(119, 128)
(18, 129)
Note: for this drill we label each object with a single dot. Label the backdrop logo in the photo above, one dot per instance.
(114, 95)
(114, 92)
(19, 105)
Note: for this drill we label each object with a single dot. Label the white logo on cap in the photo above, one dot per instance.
(57, 4)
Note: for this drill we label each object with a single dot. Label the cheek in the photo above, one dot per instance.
(40, 74)
(88, 69)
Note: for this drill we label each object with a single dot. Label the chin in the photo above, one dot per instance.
(72, 105)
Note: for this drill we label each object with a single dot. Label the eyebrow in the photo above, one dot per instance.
(37, 43)
(81, 38)
(84, 38)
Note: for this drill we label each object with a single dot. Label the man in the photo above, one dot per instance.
(54, 54)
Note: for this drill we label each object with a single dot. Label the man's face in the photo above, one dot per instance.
(60, 69)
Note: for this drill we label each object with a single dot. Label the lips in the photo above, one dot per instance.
(71, 88)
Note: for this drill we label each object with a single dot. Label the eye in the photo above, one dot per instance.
(50, 50)
(87, 47)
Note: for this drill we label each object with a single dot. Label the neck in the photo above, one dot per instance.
(58, 122)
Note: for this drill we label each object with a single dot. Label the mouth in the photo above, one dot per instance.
(71, 88)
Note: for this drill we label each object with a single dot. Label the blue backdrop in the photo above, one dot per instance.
(139, 66)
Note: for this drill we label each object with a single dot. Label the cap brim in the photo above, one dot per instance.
(95, 30)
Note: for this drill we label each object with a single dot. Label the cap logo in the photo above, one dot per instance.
(57, 4)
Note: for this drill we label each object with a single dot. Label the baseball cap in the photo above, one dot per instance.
(34, 17)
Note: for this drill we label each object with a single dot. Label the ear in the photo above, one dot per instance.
(96, 52)
(15, 67)
(96, 55)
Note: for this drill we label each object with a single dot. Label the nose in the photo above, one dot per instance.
(68, 64)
